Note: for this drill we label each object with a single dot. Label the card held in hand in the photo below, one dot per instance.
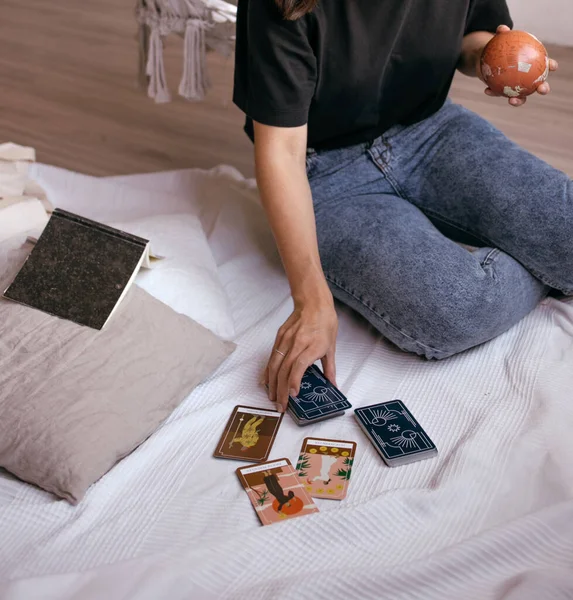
(276, 492)
(317, 399)
(249, 434)
(395, 433)
(325, 466)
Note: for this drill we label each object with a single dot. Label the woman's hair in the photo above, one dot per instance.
(294, 9)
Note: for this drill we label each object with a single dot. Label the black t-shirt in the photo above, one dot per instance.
(352, 69)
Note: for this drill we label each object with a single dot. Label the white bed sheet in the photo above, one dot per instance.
(491, 517)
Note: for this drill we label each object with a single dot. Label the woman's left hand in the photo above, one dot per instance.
(543, 88)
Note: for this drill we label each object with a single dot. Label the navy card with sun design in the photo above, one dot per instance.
(317, 399)
(395, 433)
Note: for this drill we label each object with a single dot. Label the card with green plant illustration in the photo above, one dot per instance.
(275, 491)
(325, 467)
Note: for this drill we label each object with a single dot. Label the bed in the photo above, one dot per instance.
(490, 518)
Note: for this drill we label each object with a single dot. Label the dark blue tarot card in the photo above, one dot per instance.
(395, 433)
(318, 398)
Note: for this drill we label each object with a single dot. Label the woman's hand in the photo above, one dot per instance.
(543, 89)
(308, 334)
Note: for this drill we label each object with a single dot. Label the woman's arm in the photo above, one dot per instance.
(310, 332)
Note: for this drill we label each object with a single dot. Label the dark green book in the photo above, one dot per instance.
(79, 270)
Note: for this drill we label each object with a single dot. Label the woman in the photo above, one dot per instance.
(368, 175)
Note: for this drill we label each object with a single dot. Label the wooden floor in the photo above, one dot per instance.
(67, 87)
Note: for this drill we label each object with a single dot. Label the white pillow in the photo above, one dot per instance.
(186, 279)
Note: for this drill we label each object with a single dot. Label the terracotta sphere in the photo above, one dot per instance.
(514, 64)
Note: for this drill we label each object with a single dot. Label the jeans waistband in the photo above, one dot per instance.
(390, 133)
(357, 148)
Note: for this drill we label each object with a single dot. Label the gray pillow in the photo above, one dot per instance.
(75, 401)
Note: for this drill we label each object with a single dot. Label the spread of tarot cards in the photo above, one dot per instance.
(277, 490)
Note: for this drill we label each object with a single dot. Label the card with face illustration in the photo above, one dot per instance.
(249, 434)
(275, 491)
(325, 467)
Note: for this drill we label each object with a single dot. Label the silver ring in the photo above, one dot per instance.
(281, 353)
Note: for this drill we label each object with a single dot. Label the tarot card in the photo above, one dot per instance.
(275, 491)
(325, 466)
(249, 434)
(395, 433)
(317, 399)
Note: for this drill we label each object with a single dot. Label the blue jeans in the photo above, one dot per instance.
(389, 214)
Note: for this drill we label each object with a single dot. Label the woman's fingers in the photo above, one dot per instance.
(544, 89)
(329, 366)
(553, 65)
(512, 101)
(266, 374)
(281, 351)
(503, 29)
(291, 372)
(275, 362)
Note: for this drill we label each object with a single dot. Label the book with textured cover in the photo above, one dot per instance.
(78, 270)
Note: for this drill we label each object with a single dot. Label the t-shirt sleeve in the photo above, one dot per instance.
(487, 15)
(275, 66)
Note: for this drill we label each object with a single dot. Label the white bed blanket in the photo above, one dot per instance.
(491, 517)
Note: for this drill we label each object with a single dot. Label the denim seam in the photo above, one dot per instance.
(491, 255)
(384, 166)
(423, 346)
(311, 164)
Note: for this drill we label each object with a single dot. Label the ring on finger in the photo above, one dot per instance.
(283, 354)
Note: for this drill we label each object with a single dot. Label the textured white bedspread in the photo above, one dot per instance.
(491, 517)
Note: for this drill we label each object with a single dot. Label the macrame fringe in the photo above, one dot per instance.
(155, 70)
(143, 38)
(194, 20)
(195, 82)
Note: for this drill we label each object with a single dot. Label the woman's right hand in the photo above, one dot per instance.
(308, 335)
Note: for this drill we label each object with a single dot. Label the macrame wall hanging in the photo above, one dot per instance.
(203, 24)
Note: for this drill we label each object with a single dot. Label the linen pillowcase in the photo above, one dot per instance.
(73, 400)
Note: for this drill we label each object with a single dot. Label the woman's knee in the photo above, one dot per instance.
(424, 326)
(440, 333)
(545, 244)
(447, 320)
